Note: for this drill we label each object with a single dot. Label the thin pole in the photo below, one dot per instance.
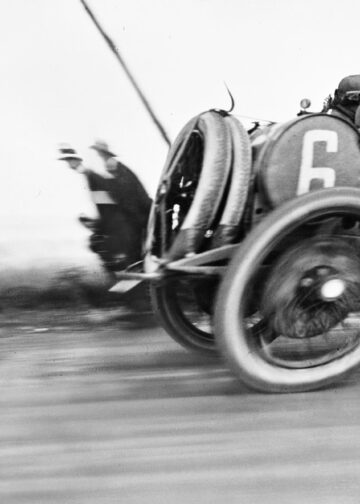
(120, 59)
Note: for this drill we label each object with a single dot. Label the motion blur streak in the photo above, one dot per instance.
(99, 412)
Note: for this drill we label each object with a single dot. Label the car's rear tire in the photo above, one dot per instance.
(220, 175)
(176, 307)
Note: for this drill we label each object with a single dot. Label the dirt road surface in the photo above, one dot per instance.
(97, 409)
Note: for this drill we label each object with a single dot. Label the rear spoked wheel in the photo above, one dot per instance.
(287, 315)
(189, 196)
(199, 205)
(187, 201)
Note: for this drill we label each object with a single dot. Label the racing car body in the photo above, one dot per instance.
(253, 247)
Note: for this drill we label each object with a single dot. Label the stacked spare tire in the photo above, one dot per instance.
(203, 187)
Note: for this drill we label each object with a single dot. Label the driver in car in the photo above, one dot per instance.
(346, 99)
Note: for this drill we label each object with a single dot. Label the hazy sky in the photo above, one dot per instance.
(61, 83)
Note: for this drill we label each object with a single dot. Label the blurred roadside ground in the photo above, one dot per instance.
(45, 264)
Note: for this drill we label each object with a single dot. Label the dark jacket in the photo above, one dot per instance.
(123, 206)
(129, 193)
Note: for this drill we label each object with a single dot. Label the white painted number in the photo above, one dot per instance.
(307, 171)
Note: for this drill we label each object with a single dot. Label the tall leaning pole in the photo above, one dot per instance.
(124, 66)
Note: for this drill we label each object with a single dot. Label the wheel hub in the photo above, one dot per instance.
(322, 282)
(312, 288)
(332, 289)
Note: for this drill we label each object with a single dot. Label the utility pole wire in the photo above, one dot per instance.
(120, 59)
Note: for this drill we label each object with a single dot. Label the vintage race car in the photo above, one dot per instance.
(253, 247)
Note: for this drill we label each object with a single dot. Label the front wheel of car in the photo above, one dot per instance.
(287, 315)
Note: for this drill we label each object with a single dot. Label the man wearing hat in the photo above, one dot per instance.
(109, 229)
(129, 193)
(346, 99)
(69, 154)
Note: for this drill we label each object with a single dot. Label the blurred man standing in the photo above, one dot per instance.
(107, 223)
(129, 194)
(68, 153)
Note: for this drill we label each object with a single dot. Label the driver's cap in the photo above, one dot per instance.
(348, 84)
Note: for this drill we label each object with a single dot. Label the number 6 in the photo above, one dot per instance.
(307, 171)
